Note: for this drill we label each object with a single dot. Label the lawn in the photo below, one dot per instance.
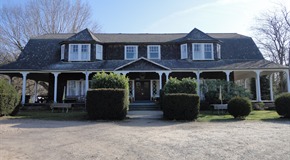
(207, 116)
(204, 116)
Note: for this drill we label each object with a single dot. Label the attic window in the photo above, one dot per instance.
(99, 52)
(183, 51)
(79, 52)
(153, 51)
(131, 52)
(202, 51)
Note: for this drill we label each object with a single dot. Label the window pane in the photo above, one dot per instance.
(99, 52)
(84, 52)
(208, 51)
(183, 51)
(71, 88)
(154, 55)
(131, 52)
(74, 52)
(197, 51)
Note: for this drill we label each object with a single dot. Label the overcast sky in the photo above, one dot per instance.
(176, 16)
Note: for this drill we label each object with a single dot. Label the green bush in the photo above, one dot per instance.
(239, 107)
(282, 104)
(9, 98)
(186, 85)
(111, 80)
(107, 104)
(180, 106)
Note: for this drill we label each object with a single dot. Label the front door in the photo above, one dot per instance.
(142, 90)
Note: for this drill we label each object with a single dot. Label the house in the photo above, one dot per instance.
(70, 60)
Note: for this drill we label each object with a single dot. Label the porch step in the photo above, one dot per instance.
(144, 107)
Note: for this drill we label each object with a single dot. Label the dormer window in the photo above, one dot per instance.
(219, 56)
(99, 52)
(79, 52)
(62, 48)
(202, 51)
(183, 51)
(153, 52)
(131, 52)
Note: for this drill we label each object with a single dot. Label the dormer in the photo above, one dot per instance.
(197, 45)
(80, 47)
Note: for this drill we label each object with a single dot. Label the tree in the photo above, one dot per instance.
(37, 17)
(273, 36)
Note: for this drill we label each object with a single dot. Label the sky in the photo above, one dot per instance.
(175, 16)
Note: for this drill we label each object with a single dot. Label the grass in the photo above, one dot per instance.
(204, 116)
(48, 115)
(207, 116)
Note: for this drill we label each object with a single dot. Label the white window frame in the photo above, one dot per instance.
(148, 51)
(125, 51)
(99, 52)
(203, 51)
(219, 54)
(79, 52)
(62, 49)
(183, 55)
(78, 91)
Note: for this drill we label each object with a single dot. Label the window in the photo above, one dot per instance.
(131, 52)
(153, 51)
(202, 51)
(183, 51)
(99, 52)
(76, 88)
(79, 52)
(62, 48)
(219, 56)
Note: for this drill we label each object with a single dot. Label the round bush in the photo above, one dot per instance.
(239, 107)
(282, 104)
(8, 98)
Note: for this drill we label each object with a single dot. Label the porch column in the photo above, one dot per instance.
(160, 79)
(124, 73)
(87, 74)
(258, 88)
(35, 90)
(55, 86)
(198, 82)
(167, 75)
(228, 75)
(288, 80)
(9, 80)
(271, 88)
(245, 83)
(24, 76)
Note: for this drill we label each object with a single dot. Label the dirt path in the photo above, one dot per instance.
(143, 138)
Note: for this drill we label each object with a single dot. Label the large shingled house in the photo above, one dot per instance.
(69, 60)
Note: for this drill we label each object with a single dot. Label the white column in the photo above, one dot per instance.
(258, 88)
(198, 82)
(87, 74)
(167, 75)
(55, 86)
(245, 83)
(271, 88)
(228, 75)
(35, 90)
(24, 76)
(288, 80)
(9, 80)
(160, 79)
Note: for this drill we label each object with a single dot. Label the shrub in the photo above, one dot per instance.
(107, 104)
(239, 107)
(111, 80)
(186, 85)
(9, 98)
(258, 106)
(282, 104)
(180, 106)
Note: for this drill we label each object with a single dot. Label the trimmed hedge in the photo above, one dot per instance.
(282, 104)
(239, 107)
(186, 85)
(111, 80)
(180, 106)
(107, 104)
(9, 98)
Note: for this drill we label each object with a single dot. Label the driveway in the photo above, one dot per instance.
(143, 136)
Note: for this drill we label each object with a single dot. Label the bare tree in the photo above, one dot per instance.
(273, 36)
(37, 17)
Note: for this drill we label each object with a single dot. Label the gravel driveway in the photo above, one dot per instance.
(143, 137)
